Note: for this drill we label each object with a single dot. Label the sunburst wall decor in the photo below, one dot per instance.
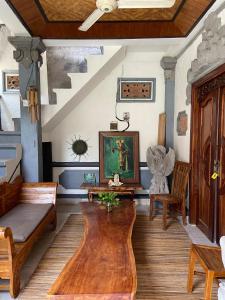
(79, 147)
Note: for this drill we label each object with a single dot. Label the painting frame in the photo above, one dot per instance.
(6, 89)
(132, 156)
(141, 96)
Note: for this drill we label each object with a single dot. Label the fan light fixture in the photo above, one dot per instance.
(107, 6)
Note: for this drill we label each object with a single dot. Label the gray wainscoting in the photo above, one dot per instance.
(70, 176)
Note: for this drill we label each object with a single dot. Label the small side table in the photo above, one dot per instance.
(124, 189)
(211, 261)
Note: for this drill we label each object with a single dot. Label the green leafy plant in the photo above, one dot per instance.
(109, 198)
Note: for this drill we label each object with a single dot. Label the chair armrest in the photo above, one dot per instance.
(6, 242)
(38, 193)
(207, 247)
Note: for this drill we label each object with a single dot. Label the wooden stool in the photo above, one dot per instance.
(211, 261)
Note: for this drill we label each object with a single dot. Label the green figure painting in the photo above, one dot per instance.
(119, 156)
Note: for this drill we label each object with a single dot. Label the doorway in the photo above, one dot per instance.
(207, 194)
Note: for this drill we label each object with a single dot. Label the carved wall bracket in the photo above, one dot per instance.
(168, 64)
(28, 50)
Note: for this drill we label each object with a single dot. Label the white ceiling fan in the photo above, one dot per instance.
(107, 6)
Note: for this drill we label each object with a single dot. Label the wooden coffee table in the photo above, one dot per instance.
(126, 189)
(103, 268)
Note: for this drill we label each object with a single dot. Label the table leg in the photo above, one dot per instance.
(208, 285)
(90, 196)
(191, 271)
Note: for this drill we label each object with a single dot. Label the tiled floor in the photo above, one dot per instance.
(64, 209)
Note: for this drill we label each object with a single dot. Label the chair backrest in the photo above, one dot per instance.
(180, 179)
(9, 196)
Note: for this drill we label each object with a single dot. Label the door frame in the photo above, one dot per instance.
(194, 157)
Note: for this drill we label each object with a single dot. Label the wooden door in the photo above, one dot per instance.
(207, 196)
(221, 159)
(207, 141)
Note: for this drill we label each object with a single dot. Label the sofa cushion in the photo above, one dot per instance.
(23, 219)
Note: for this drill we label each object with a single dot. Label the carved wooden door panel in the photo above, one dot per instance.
(207, 141)
(221, 159)
(207, 196)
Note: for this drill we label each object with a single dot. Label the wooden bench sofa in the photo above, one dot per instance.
(25, 211)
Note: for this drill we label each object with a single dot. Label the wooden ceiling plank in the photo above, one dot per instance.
(72, 10)
(190, 15)
(38, 25)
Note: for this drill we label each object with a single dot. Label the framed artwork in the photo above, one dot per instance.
(90, 178)
(119, 153)
(136, 90)
(10, 82)
(182, 123)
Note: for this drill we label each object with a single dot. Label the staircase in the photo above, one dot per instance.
(99, 66)
(10, 157)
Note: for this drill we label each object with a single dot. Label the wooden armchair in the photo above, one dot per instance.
(177, 195)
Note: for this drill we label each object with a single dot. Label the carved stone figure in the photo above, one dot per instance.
(160, 164)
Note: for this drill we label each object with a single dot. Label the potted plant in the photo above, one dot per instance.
(109, 199)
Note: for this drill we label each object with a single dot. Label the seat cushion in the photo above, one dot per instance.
(23, 219)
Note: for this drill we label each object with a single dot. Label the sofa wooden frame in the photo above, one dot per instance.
(12, 254)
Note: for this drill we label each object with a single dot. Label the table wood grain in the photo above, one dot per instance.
(104, 267)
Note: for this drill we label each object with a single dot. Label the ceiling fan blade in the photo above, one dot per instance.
(145, 3)
(97, 13)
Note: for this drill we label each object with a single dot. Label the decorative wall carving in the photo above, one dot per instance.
(210, 52)
(182, 123)
(210, 86)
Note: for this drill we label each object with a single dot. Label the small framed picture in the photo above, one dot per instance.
(90, 178)
(136, 90)
(10, 82)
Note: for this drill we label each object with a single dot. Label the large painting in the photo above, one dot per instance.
(119, 153)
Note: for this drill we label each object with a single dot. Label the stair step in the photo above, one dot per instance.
(2, 171)
(10, 137)
(16, 124)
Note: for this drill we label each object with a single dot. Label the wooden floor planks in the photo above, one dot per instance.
(161, 261)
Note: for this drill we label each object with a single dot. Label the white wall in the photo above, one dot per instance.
(182, 143)
(10, 103)
(96, 111)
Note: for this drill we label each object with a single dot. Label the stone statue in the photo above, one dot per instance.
(161, 164)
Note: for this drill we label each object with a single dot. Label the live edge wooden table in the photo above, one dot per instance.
(126, 188)
(103, 268)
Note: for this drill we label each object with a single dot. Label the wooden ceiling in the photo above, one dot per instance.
(60, 19)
